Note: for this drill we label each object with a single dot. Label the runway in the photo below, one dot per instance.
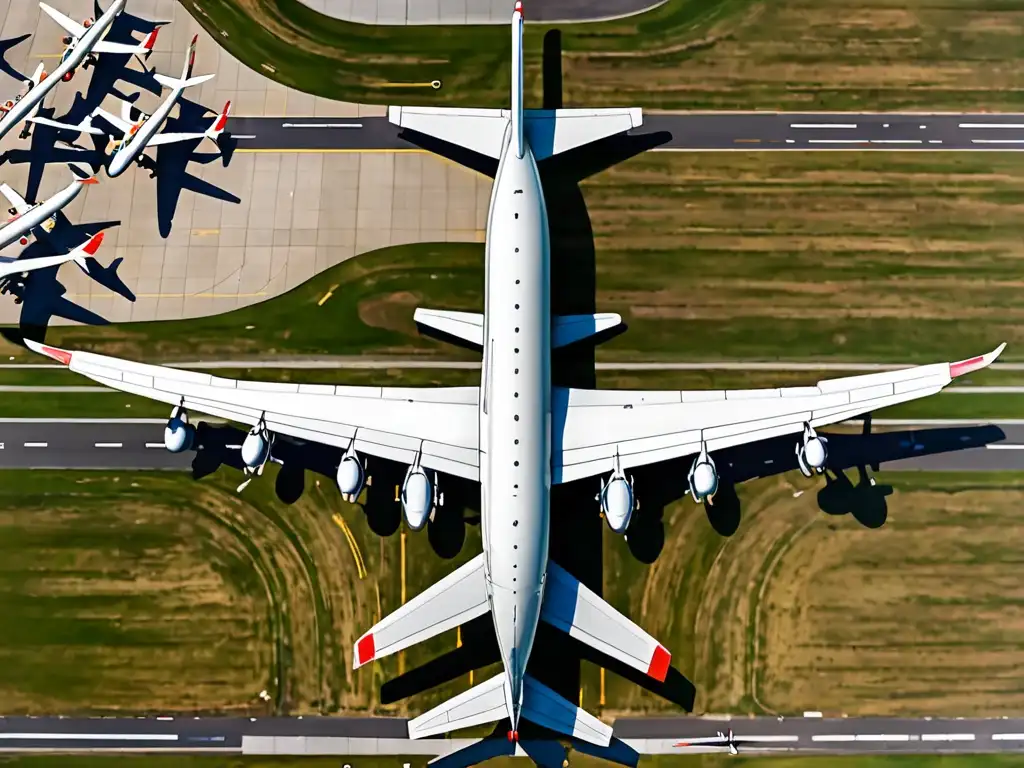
(138, 444)
(714, 131)
(339, 735)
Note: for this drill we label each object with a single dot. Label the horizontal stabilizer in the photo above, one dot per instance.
(582, 614)
(467, 326)
(452, 601)
(484, 703)
(175, 84)
(553, 131)
(479, 130)
(543, 706)
(568, 329)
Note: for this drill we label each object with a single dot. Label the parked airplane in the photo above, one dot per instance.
(25, 217)
(9, 266)
(83, 42)
(726, 740)
(139, 134)
(515, 434)
(37, 77)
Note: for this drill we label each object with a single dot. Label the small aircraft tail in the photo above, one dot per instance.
(79, 255)
(487, 131)
(88, 248)
(218, 125)
(186, 80)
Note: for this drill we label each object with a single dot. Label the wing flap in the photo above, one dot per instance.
(581, 613)
(483, 703)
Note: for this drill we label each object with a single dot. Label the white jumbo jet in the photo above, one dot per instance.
(9, 266)
(515, 434)
(139, 134)
(37, 77)
(82, 41)
(25, 217)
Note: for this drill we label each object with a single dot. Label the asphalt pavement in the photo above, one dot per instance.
(689, 131)
(341, 735)
(138, 444)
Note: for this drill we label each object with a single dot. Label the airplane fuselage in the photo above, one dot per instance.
(136, 144)
(22, 225)
(30, 102)
(515, 411)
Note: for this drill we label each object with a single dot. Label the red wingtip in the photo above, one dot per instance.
(519, 8)
(658, 668)
(150, 40)
(94, 243)
(975, 363)
(62, 357)
(223, 119)
(90, 180)
(195, 40)
(365, 649)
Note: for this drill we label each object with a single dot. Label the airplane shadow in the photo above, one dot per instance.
(5, 66)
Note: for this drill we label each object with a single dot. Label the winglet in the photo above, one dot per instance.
(94, 242)
(62, 356)
(660, 661)
(90, 180)
(150, 40)
(975, 363)
(519, 8)
(365, 650)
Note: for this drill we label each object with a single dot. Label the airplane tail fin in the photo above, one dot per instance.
(78, 255)
(39, 75)
(146, 47)
(218, 125)
(88, 248)
(487, 131)
(186, 80)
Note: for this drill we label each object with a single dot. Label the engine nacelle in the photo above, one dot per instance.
(351, 476)
(179, 435)
(256, 448)
(68, 76)
(88, 22)
(618, 503)
(811, 453)
(417, 498)
(703, 477)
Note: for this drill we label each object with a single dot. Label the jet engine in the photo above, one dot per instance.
(88, 22)
(617, 500)
(417, 497)
(256, 447)
(703, 477)
(351, 477)
(179, 435)
(811, 452)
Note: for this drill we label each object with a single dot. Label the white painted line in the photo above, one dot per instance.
(321, 125)
(1013, 447)
(154, 445)
(992, 125)
(243, 135)
(923, 127)
(109, 445)
(791, 141)
(997, 141)
(837, 141)
(947, 737)
(165, 718)
(36, 445)
(822, 125)
(1008, 737)
(896, 141)
(89, 736)
(812, 714)
(934, 141)
(885, 125)
(882, 737)
(768, 739)
(834, 737)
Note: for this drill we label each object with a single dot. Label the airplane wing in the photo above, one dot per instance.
(387, 422)
(173, 138)
(73, 28)
(122, 125)
(10, 266)
(17, 202)
(591, 427)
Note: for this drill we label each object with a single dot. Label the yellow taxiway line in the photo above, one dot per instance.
(327, 295)
(352, 544)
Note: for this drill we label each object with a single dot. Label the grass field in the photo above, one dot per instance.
(149, 592)
(103, 573)
(800, 610)
(687, 54)
(844, 256)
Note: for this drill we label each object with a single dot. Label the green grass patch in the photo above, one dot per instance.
(686, 54)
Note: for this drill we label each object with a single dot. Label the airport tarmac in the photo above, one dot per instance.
(351, 736)
(693, 131)
(138, 444)
(296, 215)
